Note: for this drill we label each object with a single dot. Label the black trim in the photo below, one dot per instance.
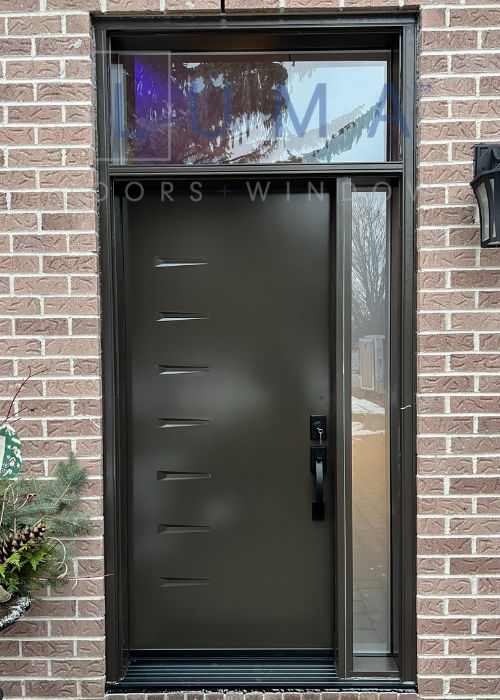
(397, 32)
(341, 393)
(114, 448)
(263, 671)
(194, 171)
(408, 355)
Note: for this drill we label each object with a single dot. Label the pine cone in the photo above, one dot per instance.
(11, 544)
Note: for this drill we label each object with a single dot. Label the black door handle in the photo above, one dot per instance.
(318, 468)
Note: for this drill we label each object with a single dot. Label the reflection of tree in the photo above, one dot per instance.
(216, 109)
(369, 268)
(343, 139)
(198, 91)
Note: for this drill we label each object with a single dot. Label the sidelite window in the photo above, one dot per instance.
(257, 234)
(370, 411)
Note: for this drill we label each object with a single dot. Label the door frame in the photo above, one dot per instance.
(402, 29)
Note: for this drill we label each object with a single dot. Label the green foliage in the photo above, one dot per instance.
(54, 502)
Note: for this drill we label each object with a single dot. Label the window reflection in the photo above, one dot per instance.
(370, 413)
(248, 109)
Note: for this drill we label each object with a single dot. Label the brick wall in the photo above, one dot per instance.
(49, 321)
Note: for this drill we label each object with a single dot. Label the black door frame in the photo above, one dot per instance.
(401, 170)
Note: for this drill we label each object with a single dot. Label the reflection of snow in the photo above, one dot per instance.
(359, 431)
(365, 406)
(335, 127)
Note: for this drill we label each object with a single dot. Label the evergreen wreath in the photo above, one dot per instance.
(37, 518)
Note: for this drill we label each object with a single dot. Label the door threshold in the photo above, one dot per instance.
(307, 673)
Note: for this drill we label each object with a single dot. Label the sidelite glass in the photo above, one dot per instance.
(370, 423)
(249, 108)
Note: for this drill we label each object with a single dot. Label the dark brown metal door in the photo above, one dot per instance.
(228, 325)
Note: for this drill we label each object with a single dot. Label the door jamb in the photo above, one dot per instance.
(113, 370)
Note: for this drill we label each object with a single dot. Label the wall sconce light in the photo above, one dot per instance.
(486, 186)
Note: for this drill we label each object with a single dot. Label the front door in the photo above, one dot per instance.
(228, 319)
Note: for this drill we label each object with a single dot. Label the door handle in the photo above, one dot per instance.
(318, 469)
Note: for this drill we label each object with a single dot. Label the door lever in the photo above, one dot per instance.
(318, 469)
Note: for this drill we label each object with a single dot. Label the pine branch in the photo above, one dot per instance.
(52, 502)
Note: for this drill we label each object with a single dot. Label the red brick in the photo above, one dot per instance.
(86, 628)
(78, 24)
(431, 364)
(45, 407)
(39, 114)
(24, 668)
(445, 465)
(489, 342)
(489, 424)
(488, 321)
(62, 46)
(492, 626)
(475, 278)
(73, 387)
(475, 63)
(480, 17)
(44, 326)
(68, 263)
(446, 342)
(447, 259)
(431, 17)
(64, 92)
(444, 506)
(491, 39)
(476, 566)
(65, 135)
(489, 384)
(475, 647)
(16, 92)
(444, 586)
(447, 626)
(81, 69)
(52, 648)
(72, 428)
(15, 47)
(33, 69)
(444, 546)
(476, 445)
(67, 178)
(445, 667)
(51, 689)
(448, 131)
(430, 280)
(41, 285)
(475, 363)
(488, 545)
(19, 305)
(19, 347)
(62, 222)
(446, 384)
(36, 200)
(72, 346)
(40, 244)
(32, 26)
(431, 322)
(461, 40)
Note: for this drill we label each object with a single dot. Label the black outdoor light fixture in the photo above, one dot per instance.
(486, 186)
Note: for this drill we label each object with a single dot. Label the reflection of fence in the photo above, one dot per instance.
(372, 363)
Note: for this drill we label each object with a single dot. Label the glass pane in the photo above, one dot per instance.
(370, 421)
(485, 211)
(248, 109)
